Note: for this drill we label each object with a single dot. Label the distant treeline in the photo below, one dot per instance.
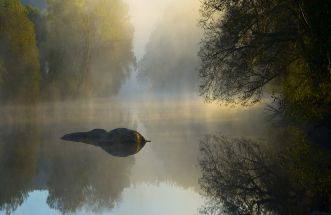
(170, 62)
(69, 49)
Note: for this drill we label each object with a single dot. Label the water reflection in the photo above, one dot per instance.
(76, 176)
(120, 142)
(285, 175)
(18, 163)
(33, 158)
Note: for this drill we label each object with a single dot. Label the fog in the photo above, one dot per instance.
(100, 49)
(70, 66)
(169, 66)
(33, 157)
(78, 175)
(105, 64)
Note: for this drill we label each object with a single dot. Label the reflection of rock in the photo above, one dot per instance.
(120, 142)
(75, 176)
(78, 176)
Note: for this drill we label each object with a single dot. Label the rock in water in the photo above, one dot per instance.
(120, 142)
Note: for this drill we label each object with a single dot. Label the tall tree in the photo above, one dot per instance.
(19, 57)
(89, 46)
(249, 43)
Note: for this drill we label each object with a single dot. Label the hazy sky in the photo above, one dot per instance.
(145, 14)
(149, 17)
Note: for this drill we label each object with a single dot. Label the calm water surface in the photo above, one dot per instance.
(43, 174)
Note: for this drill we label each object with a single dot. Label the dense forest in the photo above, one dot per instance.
(65, 50)
(277, 52)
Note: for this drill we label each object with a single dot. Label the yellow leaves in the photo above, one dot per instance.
(21, 56)
(13, 5)
(109, 19)
(80, 4)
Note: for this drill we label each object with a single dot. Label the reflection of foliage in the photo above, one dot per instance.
(18, 161)
(309, 165)
(85, 176)
(284, 45)
(76, 175)
(79, 175)
(19, 72)
(242, 177)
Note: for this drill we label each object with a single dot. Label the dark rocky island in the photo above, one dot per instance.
(121, 142)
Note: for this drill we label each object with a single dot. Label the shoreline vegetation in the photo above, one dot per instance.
(70, 49)
(282, 48)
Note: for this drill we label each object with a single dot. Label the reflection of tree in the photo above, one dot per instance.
(80, 174)
(77, 174)
(175, 130)
(242, 177)
(175, 145)
(18, 162)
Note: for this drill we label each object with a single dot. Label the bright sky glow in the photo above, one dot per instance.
(145, 14)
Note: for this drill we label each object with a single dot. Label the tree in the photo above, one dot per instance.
(38, 18)
(19, 57)
(249, 43)
(89, 47)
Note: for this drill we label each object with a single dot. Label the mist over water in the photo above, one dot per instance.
(76, 174)
(158, 95)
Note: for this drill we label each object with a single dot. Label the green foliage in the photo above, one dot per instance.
(89, 47)
(303, 98)
(72, 48)
(246, 45)
(18, 53)
(249, 43)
